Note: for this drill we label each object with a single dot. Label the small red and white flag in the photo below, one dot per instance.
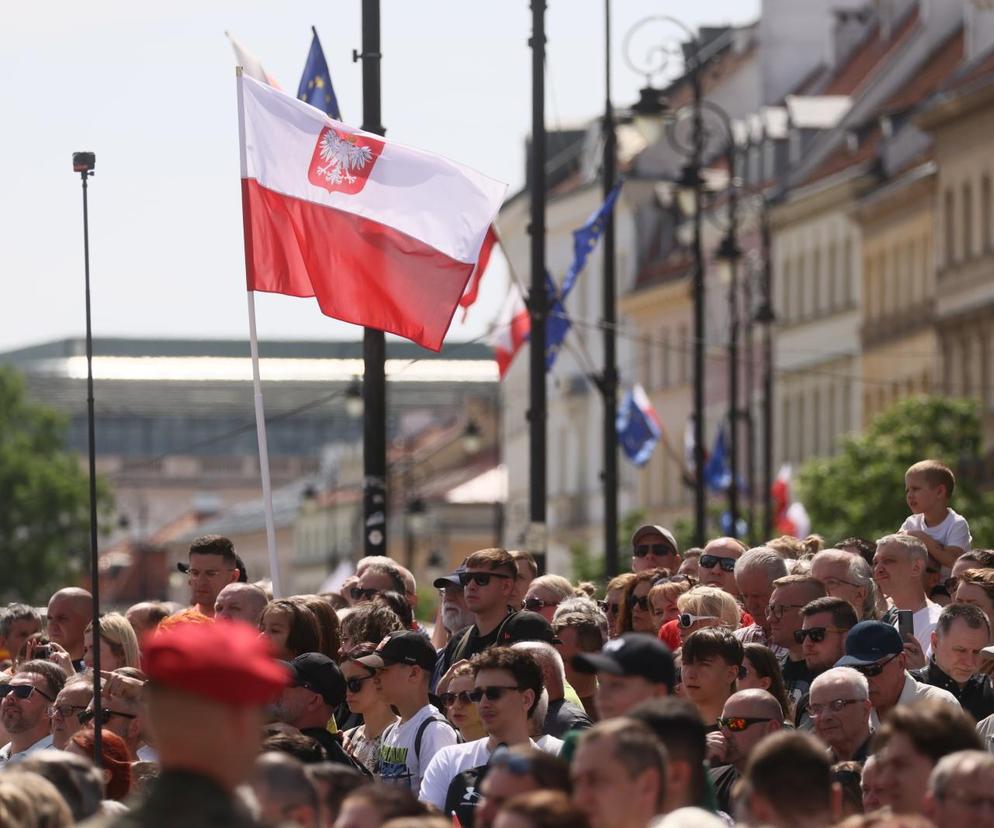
(511, 330)
(250, 63)
(789, 515)
(472, 292)
(380, 234)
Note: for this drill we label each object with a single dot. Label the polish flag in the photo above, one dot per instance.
(511, 329)
(789, 515)
(472, 291)
(250, 63)
(380, 234)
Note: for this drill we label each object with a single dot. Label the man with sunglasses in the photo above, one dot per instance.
(717, 564)
(747, 718)
(507, 687)
(654, 547)
(824, 626)
(488, 582)
(308, 702)
(26, 706)
(875, 649)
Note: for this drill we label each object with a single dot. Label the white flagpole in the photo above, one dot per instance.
(260, 415)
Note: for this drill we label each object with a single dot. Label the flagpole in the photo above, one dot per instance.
(260, 415)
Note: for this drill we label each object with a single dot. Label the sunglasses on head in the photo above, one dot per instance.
(360, 594)
(449, 699)
(659, 549)
(673, 579)
(711, 561)
(642, 603)
(22, 691)
(354, 685)
(480, 578)
(609, 608)
(736, 724)
(687, 620)
(536, 604)
(493, 693)
(816, 634)
(875, 669)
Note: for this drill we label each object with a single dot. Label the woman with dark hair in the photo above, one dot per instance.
(761, 671)
(291, 629)
(636, 614)
(398, 603)
(540, 809)
(363, 742)
(614, 600)
(113, 757)
(327, 618)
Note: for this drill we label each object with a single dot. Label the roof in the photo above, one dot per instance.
(869, 56)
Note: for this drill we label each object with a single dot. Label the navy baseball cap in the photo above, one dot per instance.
(631, 654)
(450, 581)
(869, 642)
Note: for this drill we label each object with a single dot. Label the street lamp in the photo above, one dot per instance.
(472, 440)
(353, 399)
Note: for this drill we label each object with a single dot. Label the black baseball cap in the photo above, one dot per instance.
(318, 673)
(526, 626)
(869, 642)
(632, 654)
(451, 580)
(402, 647)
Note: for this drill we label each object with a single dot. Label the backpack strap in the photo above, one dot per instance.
(421, 732)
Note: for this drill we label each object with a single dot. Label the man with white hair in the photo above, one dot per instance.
(755, 573)
(562, 716)
(848, 577)
(898, 566)
(961, 790)
(839, 705)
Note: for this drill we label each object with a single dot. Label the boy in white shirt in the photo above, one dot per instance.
(929, 486)
(403, 664)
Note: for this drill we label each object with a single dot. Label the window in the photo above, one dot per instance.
(785, 306)
(847, 275)
(646, 360)
(950, 228)
(967, 222)
(986, 217)
(832, 276)
(684, 355)
(801, 427)
(817, 437)
(787, 429)
(664, 358)
(800, 292)
(816, 289)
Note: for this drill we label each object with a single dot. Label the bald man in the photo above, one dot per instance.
(718, 564)
(69, 611)
(746, 719)
(241, 602)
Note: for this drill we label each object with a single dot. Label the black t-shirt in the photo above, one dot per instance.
(797, 677)
(564, 717)
(333, 747)
(723, 778)
(467, 643)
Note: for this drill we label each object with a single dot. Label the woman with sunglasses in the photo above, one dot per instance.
(761, 671)
(703, 607)
(363, 742)
(636, 616)
(453, 691)
(545, 593)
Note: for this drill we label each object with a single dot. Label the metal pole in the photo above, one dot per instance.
(609, 377)
(700, 495)
(85, 173)
(766, 318)
(733, 341)
(537, 299)
(747, 411)
(374, 385)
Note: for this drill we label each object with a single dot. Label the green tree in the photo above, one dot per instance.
(860, 490)
(44, 505)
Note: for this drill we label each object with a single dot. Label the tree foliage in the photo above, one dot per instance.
(860, 490)
(44, 498)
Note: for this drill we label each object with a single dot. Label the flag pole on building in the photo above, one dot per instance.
(260, 415)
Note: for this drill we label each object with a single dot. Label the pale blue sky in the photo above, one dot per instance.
(150, 88)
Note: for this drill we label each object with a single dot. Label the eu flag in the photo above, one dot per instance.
(638, 426)
(315, 84)
(557, 323)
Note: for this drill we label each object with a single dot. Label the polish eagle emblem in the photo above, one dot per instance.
(342, 161)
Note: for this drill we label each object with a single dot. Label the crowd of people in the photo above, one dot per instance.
(790, 685)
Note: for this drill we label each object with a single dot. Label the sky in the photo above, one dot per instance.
(150, 88)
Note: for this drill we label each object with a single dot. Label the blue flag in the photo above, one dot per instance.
(717, 474)
(638, 426)
(557, 323)
(315, 84)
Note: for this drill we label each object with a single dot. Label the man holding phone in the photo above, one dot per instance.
(898, 566)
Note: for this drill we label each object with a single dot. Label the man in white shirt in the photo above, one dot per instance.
(508, 683)
(898, 567)
(403, 664)
(27, 703)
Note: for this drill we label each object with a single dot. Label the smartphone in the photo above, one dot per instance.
(905, 623)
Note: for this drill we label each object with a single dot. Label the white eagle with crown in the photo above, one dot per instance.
(342, 157)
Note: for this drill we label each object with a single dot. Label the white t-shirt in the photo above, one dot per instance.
(953, 531)
(448, 762)
(399, 763)
(924, 621)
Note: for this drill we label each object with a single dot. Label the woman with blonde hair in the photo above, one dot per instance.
(118, 643)
(545, 593)
(705, 606)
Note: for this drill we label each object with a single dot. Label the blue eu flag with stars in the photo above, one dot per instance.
(315, 84)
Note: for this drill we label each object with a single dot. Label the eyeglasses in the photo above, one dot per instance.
(22, 691)
(875, 669)
(66, 710)
(493, 693)
(835, 706)
(673, 579)
(88, 716)
(687, 620)
(777, 610)
(711, 561)
(480, 578)
(449, 699)
(660, 549)
(816, 634)
(642, 603)
(207, 573)
(536, 604)
(354, 685)
(736, 724)
(610, 609)
(832, 583)
(360, 594)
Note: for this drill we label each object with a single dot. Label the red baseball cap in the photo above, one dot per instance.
(225, 661)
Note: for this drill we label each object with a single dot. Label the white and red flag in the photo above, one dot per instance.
(380, 234)
(511, 330)
(789, 515)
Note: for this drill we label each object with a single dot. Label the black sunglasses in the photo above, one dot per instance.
(642, 603)
(736, 724)
(610, 609)
(875, 669)
(449, 699)
(673, 579)
(816, 634)
(711, 561)
(22, 691)
(660, 549)
(88, 716)
(354, 684)
(480, 578)
(360, 594)
(493, 693)
(536, 604)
